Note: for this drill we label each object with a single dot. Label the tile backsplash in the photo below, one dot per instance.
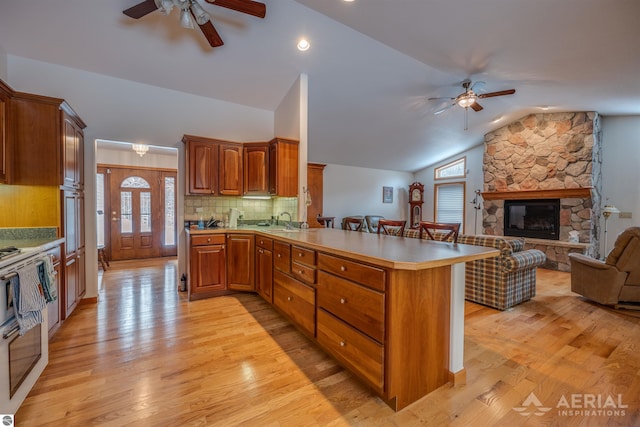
(252, 209)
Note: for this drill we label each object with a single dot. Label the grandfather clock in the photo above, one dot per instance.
(416, 199)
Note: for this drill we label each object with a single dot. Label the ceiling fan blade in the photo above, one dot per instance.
(499, 93)
(141, 9)
(211, 34)
(250, 7)
(477, 85)
(476, 107)
(440, 98)
(442, 110)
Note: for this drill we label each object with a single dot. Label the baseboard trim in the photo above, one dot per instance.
(458, 378)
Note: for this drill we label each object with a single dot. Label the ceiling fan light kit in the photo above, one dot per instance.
(469, 98)
(191, 10)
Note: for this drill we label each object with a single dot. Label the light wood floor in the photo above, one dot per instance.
(145, 356)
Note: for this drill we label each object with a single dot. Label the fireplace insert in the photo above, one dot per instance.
(532, 218)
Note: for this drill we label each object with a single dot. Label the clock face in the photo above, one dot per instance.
(415, 195)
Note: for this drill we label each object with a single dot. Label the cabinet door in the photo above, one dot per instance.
(315, 186)
(283, 167)
(70, 214)
(207, 268)
(264, 273)
(70, 171)
(70, 286)
(230, 177)
(256, 169)
(202, 164)
(240, 262)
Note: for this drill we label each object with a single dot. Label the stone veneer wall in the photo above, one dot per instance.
(542, 152)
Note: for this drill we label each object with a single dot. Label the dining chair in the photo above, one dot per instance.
(326, 220)
(391, 227)
(352, 223)
(453, 228)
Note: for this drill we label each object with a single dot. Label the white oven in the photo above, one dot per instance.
(22, 358)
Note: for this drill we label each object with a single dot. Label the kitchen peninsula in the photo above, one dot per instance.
(390, 309)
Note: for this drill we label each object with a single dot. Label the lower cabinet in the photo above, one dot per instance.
(240, 262)
(296, 300)
(207, 265)
(54, 308)
(264, 268)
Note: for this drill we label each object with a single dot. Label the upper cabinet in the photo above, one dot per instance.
(224, 168)
(5, 145)
(214, 167)
(49, 142)
(283, 167)
(230, 168)
(256, 169)
(202, 165)
(72, 151)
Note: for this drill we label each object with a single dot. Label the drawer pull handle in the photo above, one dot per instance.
(343, 301)
(208, 240)
(300, 254)
(342, 343)
(262, 242)
(278, 255)
(343, 268)
(289, 298)
(300, 272)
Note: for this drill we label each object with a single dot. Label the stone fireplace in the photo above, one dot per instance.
(547, 156)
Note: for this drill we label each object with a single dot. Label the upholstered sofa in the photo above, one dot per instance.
(503, 281)
(616, 280)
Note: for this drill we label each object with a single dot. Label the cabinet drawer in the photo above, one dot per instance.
(360, 307)
(303, 272)
(207, 239)
(303, 255)
(282, 257)
(296, 300)
(360, 354)
(363, 274)
(264, 242)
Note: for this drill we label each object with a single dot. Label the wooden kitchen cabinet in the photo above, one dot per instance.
(72, 153)
(230, 169)
(5, 141)
(283, 167)
(214, 167)
(240, 262)
(207, 265)
(54, 308)
(264, 268)
(256, 169)
(315, 184)
(49, 152)
(202, 165)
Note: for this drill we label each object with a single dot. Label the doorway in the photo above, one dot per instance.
(136, 210)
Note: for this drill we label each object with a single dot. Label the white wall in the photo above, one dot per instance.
(620, 173)
(358, 191)
(127, 157)
(291, 121)
(473, 181)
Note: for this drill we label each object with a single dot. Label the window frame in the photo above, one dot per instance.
(462, 160)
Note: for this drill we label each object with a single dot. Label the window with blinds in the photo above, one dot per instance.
(449, 203)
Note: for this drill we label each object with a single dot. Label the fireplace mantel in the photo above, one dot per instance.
(560, 193)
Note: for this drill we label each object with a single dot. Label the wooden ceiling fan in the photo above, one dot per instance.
(470, 96)
(191, 12)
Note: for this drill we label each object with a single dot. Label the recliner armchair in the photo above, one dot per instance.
(614, 280)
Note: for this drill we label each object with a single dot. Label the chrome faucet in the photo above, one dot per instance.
(289, 225)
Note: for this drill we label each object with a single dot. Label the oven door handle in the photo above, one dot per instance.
(11, 333)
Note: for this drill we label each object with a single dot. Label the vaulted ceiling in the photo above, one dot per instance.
(372, 63)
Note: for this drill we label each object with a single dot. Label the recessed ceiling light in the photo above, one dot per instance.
(348, 1)
(303, 45)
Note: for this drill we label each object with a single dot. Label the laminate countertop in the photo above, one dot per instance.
(403, 253)
(28, 248)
